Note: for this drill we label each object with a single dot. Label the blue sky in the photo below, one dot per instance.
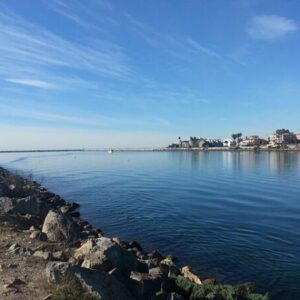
(104, 73)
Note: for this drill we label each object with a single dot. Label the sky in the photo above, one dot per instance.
(115, 73)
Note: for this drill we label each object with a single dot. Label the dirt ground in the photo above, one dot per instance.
(22, 276)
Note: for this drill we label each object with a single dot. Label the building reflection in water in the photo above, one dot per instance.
(277, 162)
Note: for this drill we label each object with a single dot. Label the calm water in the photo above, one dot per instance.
(234, 216)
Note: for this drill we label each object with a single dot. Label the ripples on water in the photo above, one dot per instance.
(231, 215)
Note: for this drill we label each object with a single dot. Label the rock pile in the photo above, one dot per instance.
(109, 268)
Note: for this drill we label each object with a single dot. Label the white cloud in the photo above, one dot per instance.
(32, 49)
(199, 48)
(33, 83)
(270, 27)
(82, 13)
(180, 48)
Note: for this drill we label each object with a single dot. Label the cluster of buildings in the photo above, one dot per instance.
(280, 138)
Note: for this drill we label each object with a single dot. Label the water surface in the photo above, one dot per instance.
(231, 215)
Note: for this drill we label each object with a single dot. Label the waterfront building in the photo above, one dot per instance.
(229, 143)
(214, 143)
(201, 142)
(193, 142)
(282, 136)
(252, 141)
(185, 144)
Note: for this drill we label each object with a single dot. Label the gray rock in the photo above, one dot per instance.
(56, 271)
(136, 245)
(144, 286)
(56, 201)
(156, 272)
(17, 249)
(60, 228)
(65, 209)
(38, 235)
(73, 205)
(42, 254)
(59, 255)
(25, 251)
(28, 205)
(97, 282)
(168, 267)
(187, 273)
(174, 296)
(85, 224)
(84, 249)
(102, 253)
(120, 242)
(14, 247)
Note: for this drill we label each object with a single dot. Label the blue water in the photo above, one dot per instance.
(233, 216)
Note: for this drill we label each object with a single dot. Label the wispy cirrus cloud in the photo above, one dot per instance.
(38, 54)
(177, 46)
(195, 46)
(271, 27)
(81, 13)
(33, 83)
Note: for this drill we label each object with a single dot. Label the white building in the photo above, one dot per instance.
(249, 141)
(283, 138)
(229, 143)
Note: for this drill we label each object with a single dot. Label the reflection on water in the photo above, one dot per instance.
(231, 215)
(277, 162)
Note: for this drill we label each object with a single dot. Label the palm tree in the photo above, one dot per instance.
(237, 137)
(179, 140)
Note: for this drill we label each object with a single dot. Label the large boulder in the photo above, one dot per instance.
(97, 282)
(60, 228)
(104, 254)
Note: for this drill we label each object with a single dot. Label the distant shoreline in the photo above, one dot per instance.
(220, 149)
(50, 150)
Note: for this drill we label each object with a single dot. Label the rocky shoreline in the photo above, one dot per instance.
(79, 262)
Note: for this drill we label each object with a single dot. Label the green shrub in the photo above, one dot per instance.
(71, 289)
(193, 291)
